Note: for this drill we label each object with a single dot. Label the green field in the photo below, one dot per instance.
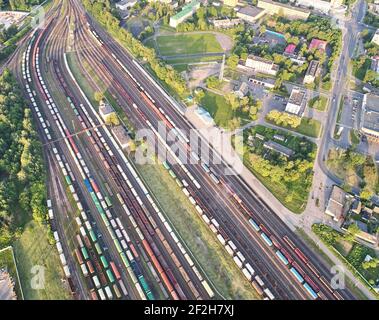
(187, 44)
(308, 127)
(318, 103)
(33, 249)
(220, 109)
(213, 259)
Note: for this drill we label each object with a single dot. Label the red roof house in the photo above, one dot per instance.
(290, 49)
(318, 44)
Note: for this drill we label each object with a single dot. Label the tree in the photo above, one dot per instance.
(98, 96)
(112, 119)
(352, 231)
(366, 194)
(373, 263)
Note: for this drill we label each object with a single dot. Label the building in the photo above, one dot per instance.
(7, 285)
(265, 82)
(375, 38)
(298, 60)
(285, 10)
(230, 3)
(187, 11)
(106, 111)
(319, 5)
(290, 49)
(370, 117)
(312, 72)
(318, 45)
(338, 204)
(297, 102)
(375, 64)
(250, 14)
(242, 90)
(125, 5)
(261, 65)
(364, 235)
(121, 136)
(225, 23)
(284, 151)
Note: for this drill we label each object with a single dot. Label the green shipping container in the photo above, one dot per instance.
(110, 275)
(92, 235)
(85, 253)
(124, 259)
(98, 248)
(104, 262)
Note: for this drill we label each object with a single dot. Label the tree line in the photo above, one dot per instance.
(21, 5)
(102, 11)
(22, 172)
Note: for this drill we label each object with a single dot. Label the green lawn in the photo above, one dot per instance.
(361, 72)
(188, 44)
(33, 249)
(308, 127)
(220, 109)
(213, 259)
(318, 103)
(354, 137)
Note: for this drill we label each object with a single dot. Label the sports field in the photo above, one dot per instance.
(170, 45)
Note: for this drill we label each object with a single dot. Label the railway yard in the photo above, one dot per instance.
(113, 238)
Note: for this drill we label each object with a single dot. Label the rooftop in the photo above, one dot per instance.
(336, 203)
(121, 135)
(318, 44)
(263, 60)
(370, 123)
(312, 68)
(290, 49)
(105, 108)
(287, 152)
(283, 5)
(188, 8)
(297, 96)
(250, 11)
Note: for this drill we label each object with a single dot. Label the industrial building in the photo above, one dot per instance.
(286, 10)
(297, 102)
(261, 65)
(268, 83)
(250, 14)
(242, 90)
(338, 204)
(187, 11)
(106, 111)
(121, 136)
(225, 23)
